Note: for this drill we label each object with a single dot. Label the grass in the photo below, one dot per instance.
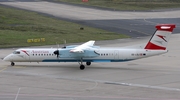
(16, 26)
(130, 4)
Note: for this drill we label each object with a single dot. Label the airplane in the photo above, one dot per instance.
(88, 52)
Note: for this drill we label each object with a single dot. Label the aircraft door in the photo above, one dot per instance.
(116, 54)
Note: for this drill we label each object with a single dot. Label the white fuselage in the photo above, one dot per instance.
(104, 55)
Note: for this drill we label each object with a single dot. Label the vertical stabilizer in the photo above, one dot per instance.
(161, 37)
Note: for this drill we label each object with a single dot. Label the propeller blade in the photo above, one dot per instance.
(56, 53)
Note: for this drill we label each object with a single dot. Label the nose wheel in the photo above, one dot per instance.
(12, 63)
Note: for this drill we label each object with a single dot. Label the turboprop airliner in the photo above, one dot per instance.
(89, 53)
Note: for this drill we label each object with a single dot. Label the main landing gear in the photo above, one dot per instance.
(12, 63)
(82, 67)
(88, 63)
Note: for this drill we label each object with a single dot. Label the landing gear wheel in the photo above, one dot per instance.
(12, 63)
(88, 63)
(82, 67)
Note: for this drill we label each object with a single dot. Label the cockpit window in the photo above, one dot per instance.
(16, 52)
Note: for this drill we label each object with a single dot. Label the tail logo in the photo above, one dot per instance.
(162, 37)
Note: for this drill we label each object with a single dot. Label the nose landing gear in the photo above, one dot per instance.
(12, 63)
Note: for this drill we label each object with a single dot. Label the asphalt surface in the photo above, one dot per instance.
(154, 78)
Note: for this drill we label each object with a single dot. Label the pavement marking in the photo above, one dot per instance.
(146, 20)
(144, 86)
(17, 94)
(19, 66)
(91, 88)
(3, 69)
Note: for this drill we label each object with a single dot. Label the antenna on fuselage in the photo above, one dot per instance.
(64, 44)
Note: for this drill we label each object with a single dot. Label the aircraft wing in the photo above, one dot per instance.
(82, 47)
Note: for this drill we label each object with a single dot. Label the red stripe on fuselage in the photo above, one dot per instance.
(25, 52)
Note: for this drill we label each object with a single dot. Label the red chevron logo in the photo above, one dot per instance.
(162, 37)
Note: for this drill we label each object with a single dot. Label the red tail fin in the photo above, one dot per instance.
(161, 37)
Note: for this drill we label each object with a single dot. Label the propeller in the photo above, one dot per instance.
(56, 52)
